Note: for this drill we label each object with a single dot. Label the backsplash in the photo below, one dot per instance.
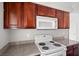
(28, 34)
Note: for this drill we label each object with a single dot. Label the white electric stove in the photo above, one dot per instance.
(48, 47)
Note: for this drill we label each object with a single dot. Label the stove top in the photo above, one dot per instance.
(51, 41)
(46, 45)
(42, 44)
(56, 44)
(49, 46)
(45, 48)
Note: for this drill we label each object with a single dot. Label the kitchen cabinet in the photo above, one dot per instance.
(12, 15)
(19, 15)
(63, 16)
(63, 19)
(66, 20)
(72, 50)
(6, 16)
(29, 16)
(42, 10)
(60, 16)
(23, 15)
(51, 12)
(45, 11)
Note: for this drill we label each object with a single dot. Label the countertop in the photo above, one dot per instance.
(71, 42)
(64, 42)
(29, 49)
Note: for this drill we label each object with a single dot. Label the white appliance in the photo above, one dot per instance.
(48, 47)
(46, 22)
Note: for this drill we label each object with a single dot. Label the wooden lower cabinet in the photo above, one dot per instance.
(72, 50)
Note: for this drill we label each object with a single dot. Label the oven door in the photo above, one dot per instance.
(60, 53)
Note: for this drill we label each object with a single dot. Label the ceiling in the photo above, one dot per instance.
(67, 6)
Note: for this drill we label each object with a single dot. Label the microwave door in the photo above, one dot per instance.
(46, 23)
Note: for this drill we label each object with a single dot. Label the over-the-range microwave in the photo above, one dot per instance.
(43, 22)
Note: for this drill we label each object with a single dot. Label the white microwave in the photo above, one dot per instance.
(46, 22)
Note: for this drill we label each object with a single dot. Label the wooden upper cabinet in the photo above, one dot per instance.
(18, 7)
(23, 15)
(15, 14)
(12, 15)
(51, 12)
(60, 16)
(45, 11)
(66, 20)
(29, 20)
(6, 16)
(63, 19)
(42, 10)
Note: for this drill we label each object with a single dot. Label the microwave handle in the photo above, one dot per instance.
(55, 24)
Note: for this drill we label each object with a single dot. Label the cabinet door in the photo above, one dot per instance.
(6, 15)
(66, 20)
(70, 51)
(18, 13)
(12, 15)
(29, 15)
(60, 16)
(42, 10)
(76, 50)
(15, 14)
(51, 12)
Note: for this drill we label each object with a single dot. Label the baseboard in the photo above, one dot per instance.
(4, 49)
(21, 42)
